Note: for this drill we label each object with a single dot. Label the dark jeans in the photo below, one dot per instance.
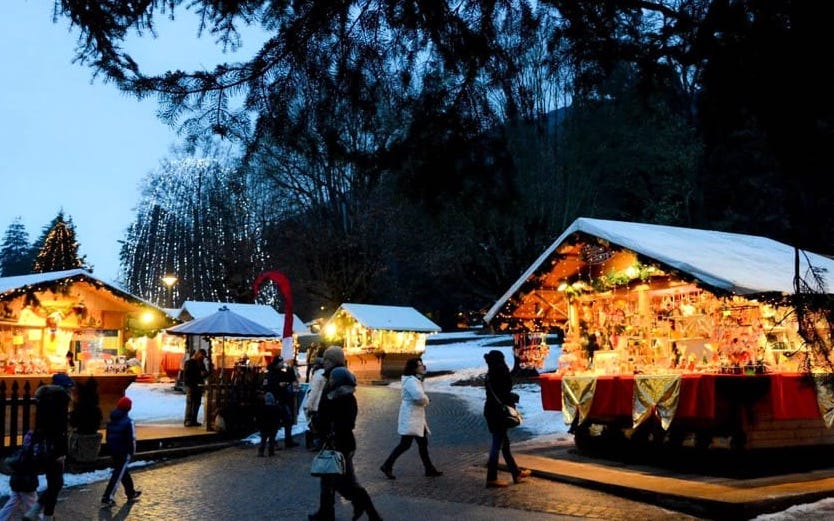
(404, 445)
(119, 474)
(54, 483)
(267, 440)
(286, 421)
(347, 487)
(193, 400)
(500, 442)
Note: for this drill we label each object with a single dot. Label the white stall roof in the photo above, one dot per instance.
(260, 313)
(390, 318)
(741, 264)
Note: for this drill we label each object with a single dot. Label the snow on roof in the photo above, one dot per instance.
(741, 264)
(390, 318)
(260, 313)
(34, 279)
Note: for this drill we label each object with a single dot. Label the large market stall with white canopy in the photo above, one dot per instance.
(682, 335)
(377, 340)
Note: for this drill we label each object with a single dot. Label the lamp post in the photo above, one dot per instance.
(169, 280)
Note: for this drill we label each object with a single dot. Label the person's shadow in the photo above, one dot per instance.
(116, 513)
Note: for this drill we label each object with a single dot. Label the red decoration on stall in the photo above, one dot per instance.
(284, 283)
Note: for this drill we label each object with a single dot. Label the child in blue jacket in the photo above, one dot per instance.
(121, 440)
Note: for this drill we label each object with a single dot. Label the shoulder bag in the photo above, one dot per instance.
(328, 462)
(512, 418)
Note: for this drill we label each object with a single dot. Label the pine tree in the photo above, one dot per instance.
(16, 256)
(37, 246)
(60, 249)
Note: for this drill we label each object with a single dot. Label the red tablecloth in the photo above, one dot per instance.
(789, 396)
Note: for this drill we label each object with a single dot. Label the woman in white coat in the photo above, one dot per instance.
(411, 423)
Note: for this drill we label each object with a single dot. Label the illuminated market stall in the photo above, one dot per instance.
(677, 335)
(254, 353)
(377, 340)
(47, 317)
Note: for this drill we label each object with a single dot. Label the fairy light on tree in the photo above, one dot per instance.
(193, 220)
(60, 250)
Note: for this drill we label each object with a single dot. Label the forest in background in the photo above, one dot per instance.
(425, 153)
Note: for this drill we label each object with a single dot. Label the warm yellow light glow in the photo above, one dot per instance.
(562, 287)
(330, 330)
(632, 272)
(169, 279)
(147, 317)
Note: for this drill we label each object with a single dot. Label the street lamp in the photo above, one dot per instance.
(169, 280)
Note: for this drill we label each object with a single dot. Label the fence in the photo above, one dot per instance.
(17, 414)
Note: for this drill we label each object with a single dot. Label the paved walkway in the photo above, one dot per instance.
(232, 484)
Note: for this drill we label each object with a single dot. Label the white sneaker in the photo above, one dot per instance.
(34, 513)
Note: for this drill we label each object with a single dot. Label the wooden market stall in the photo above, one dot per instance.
(677, 335)
(377, 340)
(47, 317)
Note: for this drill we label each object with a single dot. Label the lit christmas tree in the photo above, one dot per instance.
(60, 250)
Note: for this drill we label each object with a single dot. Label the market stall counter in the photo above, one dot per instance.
(753, 411)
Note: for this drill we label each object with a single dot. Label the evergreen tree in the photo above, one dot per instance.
(60, 249)
(15, 252)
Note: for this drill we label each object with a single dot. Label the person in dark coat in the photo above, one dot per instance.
(499, 386)
(282, 382)
(268, 419)
(51, 423)
(121, 440)
(23, 483)
(335, 422)
(194, 377)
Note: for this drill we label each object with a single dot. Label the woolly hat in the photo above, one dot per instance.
(269, 399)
(335, 355)
(63, 380)
(124, 403)
(494, 356)
(341, 376)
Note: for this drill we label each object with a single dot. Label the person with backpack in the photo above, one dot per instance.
(282, 381)
(121, 440)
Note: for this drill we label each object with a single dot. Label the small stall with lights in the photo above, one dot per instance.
(50, 319)
(377, 340)
(681, 335)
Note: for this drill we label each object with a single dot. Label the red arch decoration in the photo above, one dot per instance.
(283, 282)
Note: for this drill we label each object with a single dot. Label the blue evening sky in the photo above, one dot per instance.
(69, 141)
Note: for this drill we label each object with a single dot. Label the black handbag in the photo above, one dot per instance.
(512, 417)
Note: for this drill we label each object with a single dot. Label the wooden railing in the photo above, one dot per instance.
(17, 414)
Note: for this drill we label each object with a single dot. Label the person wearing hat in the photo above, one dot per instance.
(121, 440)
(335, 422)
(499, 386)
(52, 424)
